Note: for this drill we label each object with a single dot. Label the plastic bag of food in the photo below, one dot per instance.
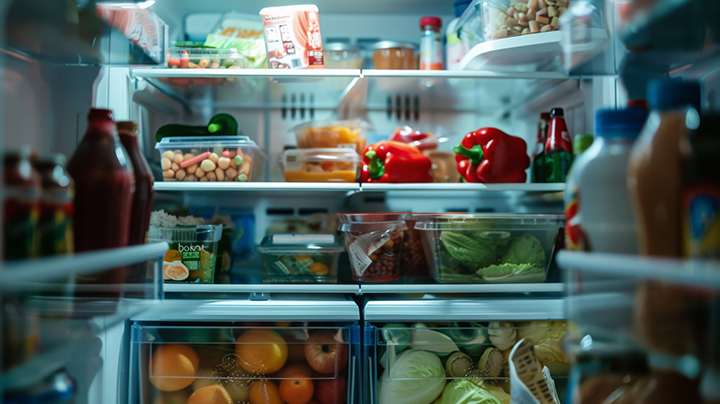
(292, 37)
(234, 31)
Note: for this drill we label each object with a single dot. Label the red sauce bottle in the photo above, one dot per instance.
(143, 196)
(104, 189)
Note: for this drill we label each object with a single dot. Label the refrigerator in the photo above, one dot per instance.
(257, 332)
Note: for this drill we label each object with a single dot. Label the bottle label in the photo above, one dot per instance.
(431, 53)
(701, 221)
(575, 238)
(21, 212)
(557, 166)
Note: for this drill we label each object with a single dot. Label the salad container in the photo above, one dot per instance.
(300, 258)
(210, 158)
(191, 257)
(490, 248)
(331, 134)
(375, 249)
(320, 165)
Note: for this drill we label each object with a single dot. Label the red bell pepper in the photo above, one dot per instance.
(390, 161)
(415, 138)
(492, 156)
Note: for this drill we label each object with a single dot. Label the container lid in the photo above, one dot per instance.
(393, 45)
(340, 46)
(371, 217)
(209, 232)
(503, 221)
(320, 154)
(329, 123)
(369, 227)
(286, 9)
(431, 21)
(581, 143)
(300, 243)
(664, 94)
(183, 142)
(620, 124)
(460, 6)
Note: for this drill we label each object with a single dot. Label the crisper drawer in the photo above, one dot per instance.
(259, 363)
(453, 362)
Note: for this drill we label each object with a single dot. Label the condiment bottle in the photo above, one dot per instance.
(654, 173)
(431, 53)
(606, 222)
(143, 196)
(538, 154)
(700, 201)
(573, 227)
(56, 206)
(558, 148)
(21, 206)
(104, 190)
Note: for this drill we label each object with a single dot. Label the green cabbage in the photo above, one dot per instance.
(524, 250)
(415, 377)
(472, 252)
(466, 392)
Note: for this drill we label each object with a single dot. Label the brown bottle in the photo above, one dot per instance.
(104, 188)
(143, 196)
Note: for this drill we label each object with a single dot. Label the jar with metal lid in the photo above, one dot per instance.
(394, 55)
(341, 55)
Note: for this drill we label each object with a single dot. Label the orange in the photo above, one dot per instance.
(173, 367)
(318, 268)
(297, 391)
(265, 392)
(261, 351)
(212, 394)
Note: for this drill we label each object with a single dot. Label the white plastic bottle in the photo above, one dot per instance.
(603, 219)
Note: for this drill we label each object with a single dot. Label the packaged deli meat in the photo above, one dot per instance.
(292, 37)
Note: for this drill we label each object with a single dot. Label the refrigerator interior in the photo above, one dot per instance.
(47, 91)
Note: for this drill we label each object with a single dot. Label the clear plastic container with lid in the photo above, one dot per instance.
(334, 133)
(300, 258)
(341, 55)
(394, 55)
(431, 51)
(490, 248)
(507, 18)
(210, 158)
(375, 247)
(320, 165)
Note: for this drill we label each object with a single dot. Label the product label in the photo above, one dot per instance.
(189, 263)
(431, 53)
(575, 239)
(293, 39)
(701, 221)
(360, 249)
(21, 212)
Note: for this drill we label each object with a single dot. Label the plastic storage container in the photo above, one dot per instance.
(460, 361)
(340, 55)
(174, 362)
(490, 248)
(206, 57)
(506, 18)
(210, 158)
(374, 249)
(395, 55)
(191, 257)
(320, 165)
(330, 134)
(300, 258)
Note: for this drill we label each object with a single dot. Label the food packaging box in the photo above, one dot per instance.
(375, 249)
(320, 165)
(292, 37)
(210, 158)
(300, 258)
(191, 257)
(331, 134)
(490, 248)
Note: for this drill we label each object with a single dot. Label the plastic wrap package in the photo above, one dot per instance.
(529, 383)
(245, 35)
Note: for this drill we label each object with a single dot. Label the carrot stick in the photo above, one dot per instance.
(200, 157)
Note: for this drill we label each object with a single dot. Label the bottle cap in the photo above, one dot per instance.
(581, 142)
(557, 112)
(621, 123)
(431, 21)
(127, 126)
(460, 6)
(664, 94)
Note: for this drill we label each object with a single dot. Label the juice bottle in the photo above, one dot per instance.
(104, 189)
(21, 207)
(558, 148)
(56, 206)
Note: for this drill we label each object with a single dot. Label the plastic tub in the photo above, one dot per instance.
(173, 361)
(331, 134)
(414, 263)
(320, 165)
(374, 249)
(191, 257)
(300, 258)
(394, 55)
(506, 18)
(340, 55)
(210, 158)
(490, 248)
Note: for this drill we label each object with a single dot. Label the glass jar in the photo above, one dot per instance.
(394, 55)
(340, 55)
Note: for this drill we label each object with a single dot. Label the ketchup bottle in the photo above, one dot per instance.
(558, 148)
(103, 192)
(143, 196)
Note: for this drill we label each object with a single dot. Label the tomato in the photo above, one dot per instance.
(174, 62)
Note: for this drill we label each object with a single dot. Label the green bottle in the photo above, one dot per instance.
(219, 125)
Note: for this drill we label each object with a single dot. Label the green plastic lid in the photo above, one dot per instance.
(581, 143)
